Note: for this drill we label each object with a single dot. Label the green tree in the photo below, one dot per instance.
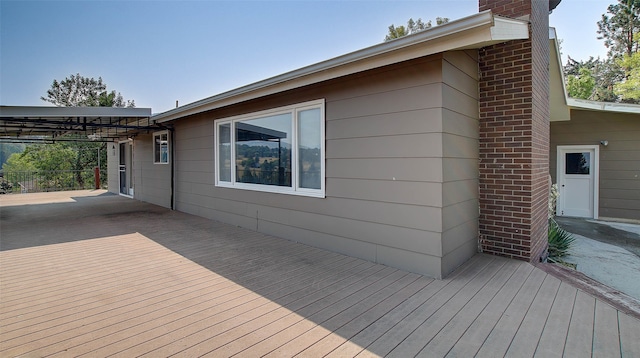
(614, 79)
(7, 149)
(111, 99)
(51, 157)
(619, 26)
(411, 28)
(59, 165)
(19, 162)
(605, 74)
(582, 85)
(47, 160)
(80, 91)
(76, 156)
(629, 88)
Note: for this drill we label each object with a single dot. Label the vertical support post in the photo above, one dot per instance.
(96, 175)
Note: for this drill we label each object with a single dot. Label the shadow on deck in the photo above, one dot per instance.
(90, 273)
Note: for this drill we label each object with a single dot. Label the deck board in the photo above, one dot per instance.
(133, 279)
(528, 335)
(393, 337)
(413, 344)
(333, 316)
(365, 316)
(362, 302)
(154, 339)
(385, 323)
(629, 336)
(606, 341)
(554, 335)
(500, 338)
(580, 335)
(468, 343)
(449, 335)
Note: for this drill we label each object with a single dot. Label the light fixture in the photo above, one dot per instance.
(604, 142)
(113, 149)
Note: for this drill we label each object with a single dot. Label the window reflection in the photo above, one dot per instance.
(277, 151)
(309, 127)
(161, 148)
(577, 163)
(263, 150)
(224, 152)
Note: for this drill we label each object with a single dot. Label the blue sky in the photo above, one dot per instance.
(157, 52)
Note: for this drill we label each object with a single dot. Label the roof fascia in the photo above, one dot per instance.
(558, 108)
(561, 103)
(474, 31)
(584, 104)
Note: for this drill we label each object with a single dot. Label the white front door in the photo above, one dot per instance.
(577, 175)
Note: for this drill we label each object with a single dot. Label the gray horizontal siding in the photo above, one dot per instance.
(403, 192)
(403, 100)
(387, 124)
(406, 146)
(374, 232)
(619, 161)
(460, 163)
(386, 158)
(402, 169)
(152, 182)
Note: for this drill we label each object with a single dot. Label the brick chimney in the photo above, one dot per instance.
(514, 135)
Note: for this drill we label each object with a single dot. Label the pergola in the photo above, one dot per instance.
(51, 124)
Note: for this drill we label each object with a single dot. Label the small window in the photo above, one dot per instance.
(161, 147)
(577, 163)
(280, 150)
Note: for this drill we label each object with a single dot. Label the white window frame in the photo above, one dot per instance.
(295, 188)
(153, 148)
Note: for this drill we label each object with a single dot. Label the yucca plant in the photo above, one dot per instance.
(560, 241)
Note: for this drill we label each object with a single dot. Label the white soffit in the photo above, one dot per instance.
(472, 32)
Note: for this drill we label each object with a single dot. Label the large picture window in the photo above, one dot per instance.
(280, 150)
(161, 147)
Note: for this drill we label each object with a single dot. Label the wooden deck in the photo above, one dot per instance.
(101, 275)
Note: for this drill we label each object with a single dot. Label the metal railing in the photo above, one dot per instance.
(278, 176)
(53, 180)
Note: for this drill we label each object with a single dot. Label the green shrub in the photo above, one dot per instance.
(560, 242)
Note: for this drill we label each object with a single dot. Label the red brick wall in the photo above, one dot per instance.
(514, 136)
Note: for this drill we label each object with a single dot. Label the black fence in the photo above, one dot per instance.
(55, 180)
(278, 176)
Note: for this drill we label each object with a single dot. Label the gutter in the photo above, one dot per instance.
(603, 106)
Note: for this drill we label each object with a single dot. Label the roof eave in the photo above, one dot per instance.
(560, 103)
(64, 112)
(559, 110)
(471, 32)
(584, 104)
